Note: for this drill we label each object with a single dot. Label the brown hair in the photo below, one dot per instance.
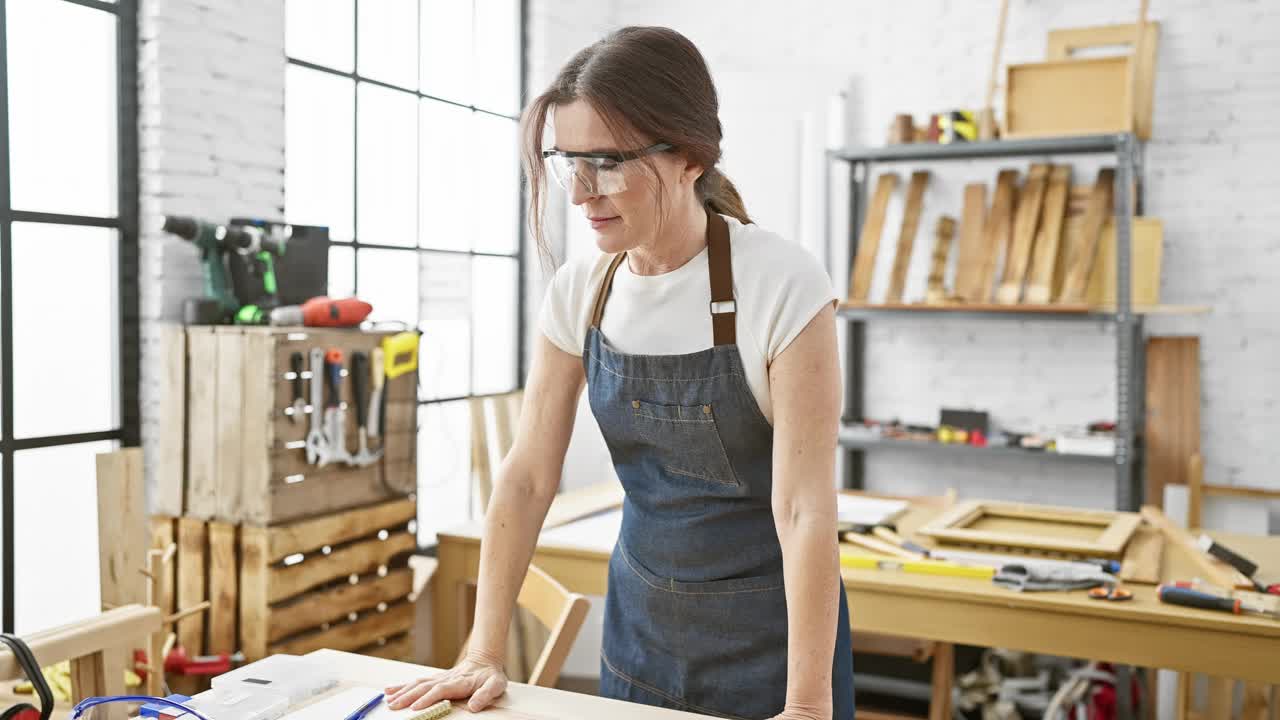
(643, 81)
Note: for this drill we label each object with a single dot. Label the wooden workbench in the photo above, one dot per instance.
(1142, 632)
(521, 702)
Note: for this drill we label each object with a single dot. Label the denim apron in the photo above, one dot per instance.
(696, 613)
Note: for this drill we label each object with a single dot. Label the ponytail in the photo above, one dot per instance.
(718, 192)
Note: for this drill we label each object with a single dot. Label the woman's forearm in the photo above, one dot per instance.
(511, 525)
(811, 571)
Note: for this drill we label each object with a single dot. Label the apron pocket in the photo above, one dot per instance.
(685, 440)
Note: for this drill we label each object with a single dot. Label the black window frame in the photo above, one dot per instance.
(125, 222)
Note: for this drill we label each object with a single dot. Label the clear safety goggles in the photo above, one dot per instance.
(598, 173)
(126, 707)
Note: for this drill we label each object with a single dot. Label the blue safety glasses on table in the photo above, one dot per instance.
(600, 173)
(119, 707)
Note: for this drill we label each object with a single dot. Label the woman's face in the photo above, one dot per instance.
(627, 219)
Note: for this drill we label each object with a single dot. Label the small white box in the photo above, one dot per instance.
(293, 677)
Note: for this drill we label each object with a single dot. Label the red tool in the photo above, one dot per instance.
(1114, 594)
(179, 663)
(323, 312)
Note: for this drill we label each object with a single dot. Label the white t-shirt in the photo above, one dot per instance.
(779, 287)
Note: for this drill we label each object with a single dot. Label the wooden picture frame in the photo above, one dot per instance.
(1068, 97)
(1084, 533)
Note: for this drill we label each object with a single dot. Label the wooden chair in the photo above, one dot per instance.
(1260, 701)
(561, 611)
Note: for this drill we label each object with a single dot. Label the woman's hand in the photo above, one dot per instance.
(804, 713)
(480, 679)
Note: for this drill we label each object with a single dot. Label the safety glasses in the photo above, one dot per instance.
(599, 173)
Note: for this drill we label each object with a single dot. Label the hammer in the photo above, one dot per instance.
(360, 395)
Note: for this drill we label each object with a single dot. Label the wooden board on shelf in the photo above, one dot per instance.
(1066, 531)
(1080, 258)
(971, 258)
(1172, 431)
(1025, 224)
(936, 290)
(996, 232)
(864, 264)
(1048, 238)
(1068, 97)
(1063, 43)
(1146, 255)
(907, 236)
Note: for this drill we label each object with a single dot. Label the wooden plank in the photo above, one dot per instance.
(397, 619)
(875, 544)
(254, 591)
(122, 527)
(397, 648)
(162, 536)
(1068, 97)
(88, 677)
(1143, 557)
(1216, 572)
(1172, 429)
(192, 540)
(1040, 280)
(202, 431)
(1024, 232)
(358, 558)
(996, 233)
(1146, 253)
(312, 609)
(326, 493)
(168, 485)
(971, 256)
(1064, 42)
(907, 235)
(255, 430)
(864, 264)
(936, 290)
(223, 588)
(1080, 258)
(1115, 528)
(338, 528)
(1195, 491)
(229, 423)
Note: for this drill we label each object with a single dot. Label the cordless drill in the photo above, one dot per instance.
(254, 247)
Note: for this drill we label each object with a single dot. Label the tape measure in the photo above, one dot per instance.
(400, 354)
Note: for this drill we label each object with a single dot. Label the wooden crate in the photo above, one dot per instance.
(246, 459)
(339, 581)
(1068, 97)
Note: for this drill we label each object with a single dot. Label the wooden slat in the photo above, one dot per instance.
(997, 232)
(942, 679)
(1215, 571)
(397, 648)
(1080, 258)
(1143, 557)
(352, 635)
(971, 256)
(229, 422)
(357, 558)
(936, 289)
(327, 606)
(202, 430)
(163, 534)
(1195, 491)
(1172, 430)
(88, 677)
(223, 588)
(122, 527)
(329, 493)
(1049, 237)
(892, 646)
(864, 264)
(168, 486)
(1024, 233)
(254, 591)
(907, 236)
(310, 535)
(192, 541)
(255, 430)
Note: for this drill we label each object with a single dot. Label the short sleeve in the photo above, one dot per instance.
(563, 317)
(802, 290)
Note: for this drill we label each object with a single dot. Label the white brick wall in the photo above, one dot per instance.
(211, 116)
(1208, 172)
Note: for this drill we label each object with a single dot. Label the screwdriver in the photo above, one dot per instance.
(1194, 598)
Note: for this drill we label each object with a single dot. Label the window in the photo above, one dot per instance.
(68, 291)
(401, 137)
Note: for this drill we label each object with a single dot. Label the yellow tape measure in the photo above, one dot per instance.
(923, 567)
(400, 354)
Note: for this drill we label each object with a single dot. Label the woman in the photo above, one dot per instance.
(708, 349)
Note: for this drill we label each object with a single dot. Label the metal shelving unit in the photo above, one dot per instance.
(1128, 324)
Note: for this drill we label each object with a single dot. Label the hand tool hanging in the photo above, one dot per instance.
(376, 397)
(299, 405)
(317, 448)
(335, 413)
(359, 394)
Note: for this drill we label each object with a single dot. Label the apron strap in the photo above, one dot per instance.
(720, 269)
(603, 293)
(724, 309)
